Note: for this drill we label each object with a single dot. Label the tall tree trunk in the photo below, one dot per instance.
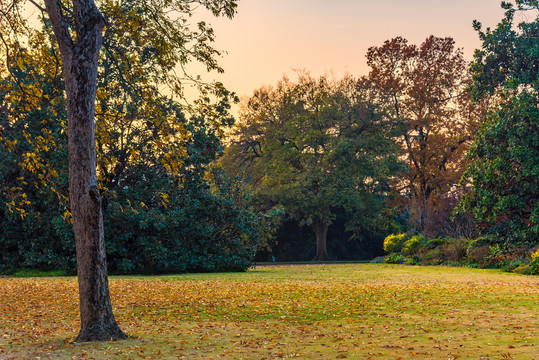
(80, 60)
(320, 227)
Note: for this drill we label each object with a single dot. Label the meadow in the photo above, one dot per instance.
(355, 311)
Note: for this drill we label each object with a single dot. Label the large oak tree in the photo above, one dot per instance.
(315, 146)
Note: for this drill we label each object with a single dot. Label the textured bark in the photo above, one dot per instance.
(80, 60)
(320, 227)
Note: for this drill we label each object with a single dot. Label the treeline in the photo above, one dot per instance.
(426, 149)
(365, 152)
(425, 145)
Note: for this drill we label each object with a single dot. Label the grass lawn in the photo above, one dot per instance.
(354, 311)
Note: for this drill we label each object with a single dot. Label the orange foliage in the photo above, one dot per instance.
(424, 88)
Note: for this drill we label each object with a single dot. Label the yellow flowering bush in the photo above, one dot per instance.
(394, 243)
(533, 267)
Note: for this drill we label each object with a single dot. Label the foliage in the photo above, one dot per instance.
(484, 252)
(161, 213)
(455, 250)
(504, 159)
(135, 121)
(195, 227)
(479, 248)
(315, 147)
(423, 88)
(482, 241)
(33, 170)
(533, 266)
(432, 256)
(395, 259)
(394, 243)
(315, 311)
(412, 245)
(478, 255)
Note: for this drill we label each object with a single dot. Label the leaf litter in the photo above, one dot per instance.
(367, 311)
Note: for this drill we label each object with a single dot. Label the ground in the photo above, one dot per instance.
(355, 311)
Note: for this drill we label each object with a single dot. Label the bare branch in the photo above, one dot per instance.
(40, 8)
(59, 26)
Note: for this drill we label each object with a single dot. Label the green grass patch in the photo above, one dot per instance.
(22, 273)
(355, 311)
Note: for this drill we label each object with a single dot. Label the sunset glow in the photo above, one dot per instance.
(269, 38)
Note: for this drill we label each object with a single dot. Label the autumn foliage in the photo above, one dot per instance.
(162, 210)
(424, 90)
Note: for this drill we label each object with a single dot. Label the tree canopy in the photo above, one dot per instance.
(162, 211)
(504, 159)
(423, 88)
(314, 146)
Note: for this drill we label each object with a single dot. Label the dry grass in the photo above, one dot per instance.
(359, 311)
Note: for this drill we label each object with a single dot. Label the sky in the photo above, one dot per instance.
(269, 38)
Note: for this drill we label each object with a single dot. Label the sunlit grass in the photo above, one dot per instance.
(357, 311)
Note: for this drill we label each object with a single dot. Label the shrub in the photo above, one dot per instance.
(434, 243)
(378, 260)
(395, 259)
(414, 260)
(533, 266)
(201, 226)
(394, 243)
(478, 255)
(483, 241)
(412, 245)
(432, 256)
(455, 249)
(512, 265)
(502, 258)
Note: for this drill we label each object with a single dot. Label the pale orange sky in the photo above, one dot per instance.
(269, 38)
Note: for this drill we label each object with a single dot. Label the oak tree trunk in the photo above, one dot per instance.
(80, 60)
(320, 227)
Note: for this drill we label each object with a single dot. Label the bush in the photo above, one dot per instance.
(455, 250)
(434, 243)
(394, 243)
(412, 245)
(483, 241)
(200, 226)
(432, 256)
(395, 259)
(533, 266)
(478, 255)
(485, 252)
(413, 260)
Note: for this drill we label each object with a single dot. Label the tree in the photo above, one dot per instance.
(312, 147)
(154, 180)
(80, 57)
(504, 158)
(424, 89)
